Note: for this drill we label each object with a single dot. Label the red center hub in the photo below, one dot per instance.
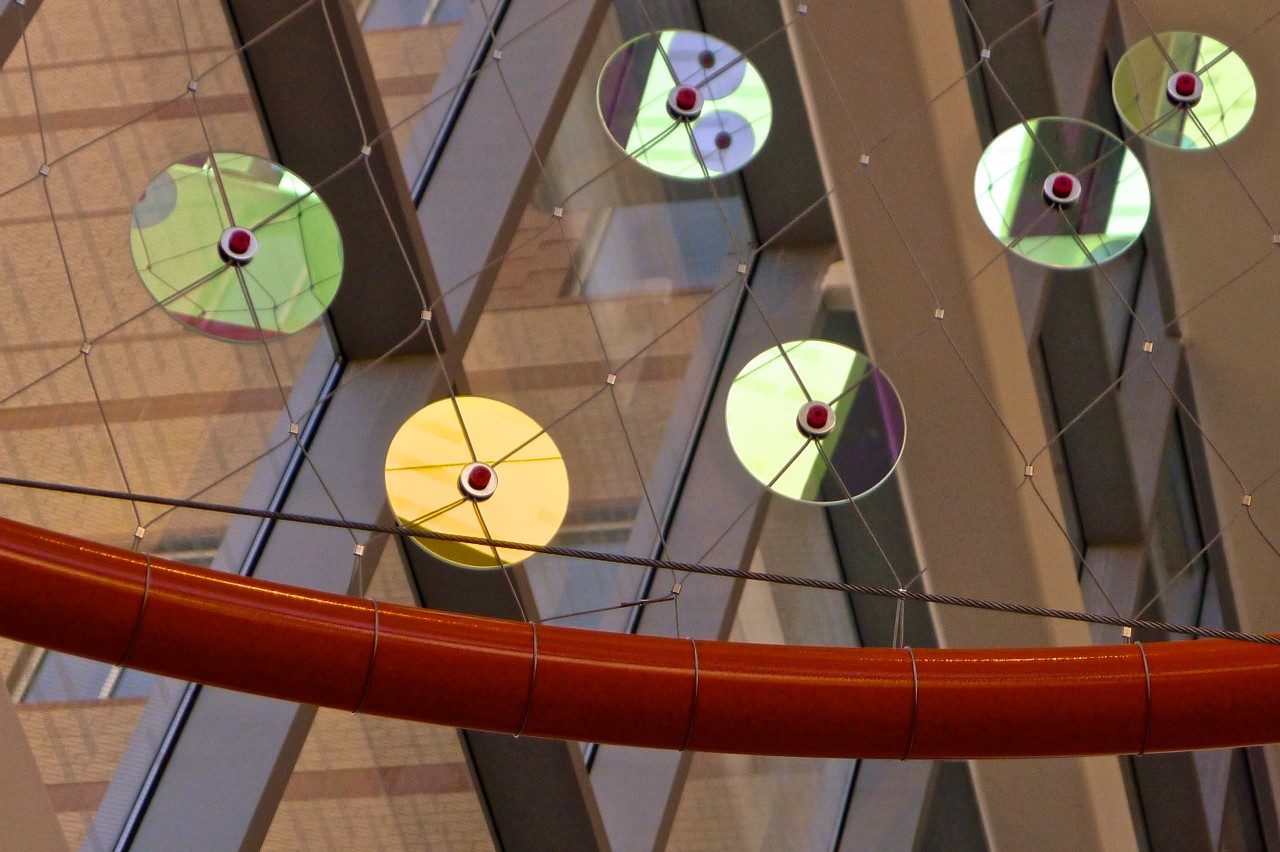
(237, 245)
(478, 481)
(1061, 189)
(480, 477)
(815, 419)
(1185, 84)
(686, 97)
(239, 241)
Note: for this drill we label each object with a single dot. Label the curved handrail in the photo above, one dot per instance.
(349, 653)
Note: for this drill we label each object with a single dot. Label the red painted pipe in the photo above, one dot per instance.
(352, 654)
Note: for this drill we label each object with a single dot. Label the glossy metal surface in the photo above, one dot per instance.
(349, 653)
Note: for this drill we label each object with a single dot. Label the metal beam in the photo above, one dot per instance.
(535, 792)
(314, 68)
(224, 776)
(960, 473)
(1229, 389)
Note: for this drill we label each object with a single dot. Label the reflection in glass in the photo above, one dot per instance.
(237, 247)
(430, 483)
(1106, 218)
(852, 450)
(640, 76)
(1225, 96)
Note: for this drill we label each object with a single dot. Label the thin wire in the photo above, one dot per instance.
(1173, 66)
(502, 563)
(1190, 563)
(849, 498)
(250, 306)
(720, 209)
(595, 324)
(1234, 174)
(1232, 48)
(1079, 554)
(346, 75)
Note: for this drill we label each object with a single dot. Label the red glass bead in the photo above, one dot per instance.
(817, 416)
(1062, 186)
(1185, 84)
(239, 241)
(480, 477)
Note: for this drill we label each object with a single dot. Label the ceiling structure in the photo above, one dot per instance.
(1093, 439)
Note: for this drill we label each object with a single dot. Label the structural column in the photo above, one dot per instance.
(955, 350)
(1219, 218)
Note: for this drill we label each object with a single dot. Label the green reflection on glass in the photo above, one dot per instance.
(1140, 87)
(736, 115)
(289, 282)
(761, 413)
(1109, 216)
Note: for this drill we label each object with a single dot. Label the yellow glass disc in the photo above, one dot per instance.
(426, 459)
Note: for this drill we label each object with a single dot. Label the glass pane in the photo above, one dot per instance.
(362, 782)
(98, 386)
(411, 45)
(604, 322)
(741, 802)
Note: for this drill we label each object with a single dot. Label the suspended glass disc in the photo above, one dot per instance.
(515, 486)
(1105, 196)
(1183, 90)
(722, 128)
(269, 269)
(838, 441)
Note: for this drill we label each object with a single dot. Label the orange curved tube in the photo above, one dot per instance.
(353, 654)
